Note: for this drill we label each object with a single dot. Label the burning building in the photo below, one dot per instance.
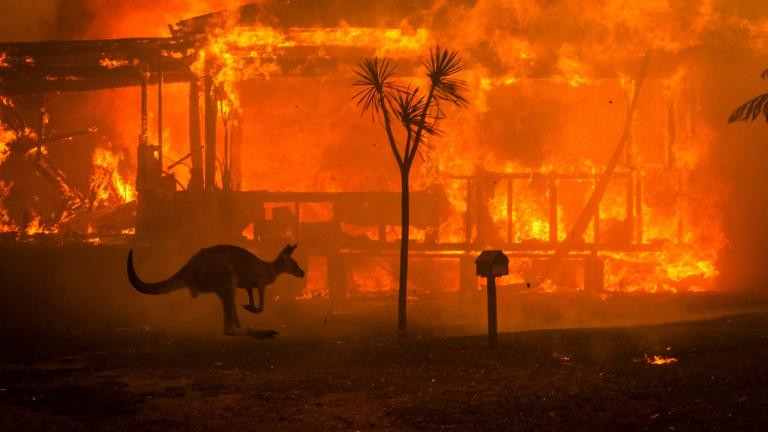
(592, 147)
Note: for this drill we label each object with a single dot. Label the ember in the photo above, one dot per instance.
(659, 360)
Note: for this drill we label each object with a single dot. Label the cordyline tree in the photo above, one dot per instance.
(418, 114)
(752, 109)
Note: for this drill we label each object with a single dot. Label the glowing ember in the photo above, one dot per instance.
(111, 63)
(6, 137)
(5, 222)
(659, 360)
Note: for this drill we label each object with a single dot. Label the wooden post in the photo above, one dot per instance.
(210, 133)
(553, 210)
(492, 330)
(160, 111)
(671, 136)
(510, 211)
(631, 205)
(468, 212)
(236, 151)
(141, 166)
(596, 225)
(196, 180)
(639, 209)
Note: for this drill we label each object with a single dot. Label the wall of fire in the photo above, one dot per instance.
(545, 115)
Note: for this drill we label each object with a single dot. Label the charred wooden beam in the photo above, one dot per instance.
(195, 146)
(210, 133)
(62, 66)
(553, 202)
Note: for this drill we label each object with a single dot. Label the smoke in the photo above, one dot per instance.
(91, 19)
(25, 21)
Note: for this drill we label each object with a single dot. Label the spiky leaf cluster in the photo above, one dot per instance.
(417, 111)
(751, 110)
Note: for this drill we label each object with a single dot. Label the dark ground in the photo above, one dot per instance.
(575, 379)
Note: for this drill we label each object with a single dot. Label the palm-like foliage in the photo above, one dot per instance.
(375, 76)
(442, 66)
(418, 113)
(752, 109)
(408, 107)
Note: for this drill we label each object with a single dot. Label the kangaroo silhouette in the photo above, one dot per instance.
(221, 270)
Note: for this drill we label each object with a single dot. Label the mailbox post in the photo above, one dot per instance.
(491, 264)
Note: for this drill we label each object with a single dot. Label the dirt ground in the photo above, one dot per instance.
(570, 379)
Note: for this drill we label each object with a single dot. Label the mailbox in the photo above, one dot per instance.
(492, 263)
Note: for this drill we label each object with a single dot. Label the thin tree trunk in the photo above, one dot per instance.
(405, 236)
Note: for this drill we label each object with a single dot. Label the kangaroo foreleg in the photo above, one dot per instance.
(251, 306)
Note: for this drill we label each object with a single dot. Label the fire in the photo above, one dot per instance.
(546, 100)
(237, 53)
(659, 360)
(388, 42)
(112, 63)
(6, 225)
(6, 137)
(317, 274)
(107, 184)
(37, 226)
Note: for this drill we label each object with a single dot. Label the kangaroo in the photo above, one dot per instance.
(221, 270)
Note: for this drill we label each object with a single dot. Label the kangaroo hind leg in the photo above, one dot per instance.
(226, 293)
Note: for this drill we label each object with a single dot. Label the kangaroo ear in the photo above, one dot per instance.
(288, 250)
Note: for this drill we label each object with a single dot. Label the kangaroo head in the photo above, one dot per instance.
(286, 264)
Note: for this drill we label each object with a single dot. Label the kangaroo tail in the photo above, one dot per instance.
(171, 284)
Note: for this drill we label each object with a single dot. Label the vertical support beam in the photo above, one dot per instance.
(141, 166)
(236, 151)
(639, 208)
(160, 110)
(42, 122)
(510, 210)
(671, 136)
(195, 146)
(679, 209)
(631, 206)
(142, 155)
(553, 184)
(210, 132)
(468, 212)
(144, 107)
(596, 223)
(492, 329)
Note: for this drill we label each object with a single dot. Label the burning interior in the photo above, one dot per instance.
(238, 126)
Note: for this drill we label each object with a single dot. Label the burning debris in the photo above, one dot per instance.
(659, 360)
